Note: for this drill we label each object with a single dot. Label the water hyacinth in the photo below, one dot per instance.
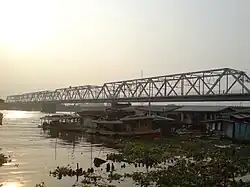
(195, 162)
(180, 161)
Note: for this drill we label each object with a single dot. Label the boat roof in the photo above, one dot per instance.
(125, 109)
(107, 122)
(241, 116)
(200, 108)
(92, 111)
(183, 108)
(157, 108)
(217, 120)
(140, 117)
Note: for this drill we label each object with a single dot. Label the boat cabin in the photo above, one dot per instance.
(138, 123)
(114, 126)
(118, 113)
(64, 121)
(151, 123)
(127, 126)
(91, 113)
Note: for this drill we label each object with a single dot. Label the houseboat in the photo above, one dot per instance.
(1, 118)
(62, 122)
(112, 113)
(130, 126)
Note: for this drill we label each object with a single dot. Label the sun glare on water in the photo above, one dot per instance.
(11, 184)
(15, 114)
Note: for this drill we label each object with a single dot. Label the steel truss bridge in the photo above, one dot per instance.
(211, 85)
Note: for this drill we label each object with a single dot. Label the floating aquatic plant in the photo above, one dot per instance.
(189, 161)
(178, 161)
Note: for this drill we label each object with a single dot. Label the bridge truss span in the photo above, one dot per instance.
(197, 86)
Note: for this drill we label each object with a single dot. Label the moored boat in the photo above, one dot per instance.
(153, 133)
(62, 122)
(135, 126)
(1, 118)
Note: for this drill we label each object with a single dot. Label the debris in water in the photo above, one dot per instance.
(98, 162)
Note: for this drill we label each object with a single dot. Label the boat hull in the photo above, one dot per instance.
(65, 127)
(1, 118)
(153, 133)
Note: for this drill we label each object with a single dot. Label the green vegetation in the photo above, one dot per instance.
(179, 161)
(186, 161)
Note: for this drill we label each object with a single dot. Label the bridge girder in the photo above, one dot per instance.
(216, 82)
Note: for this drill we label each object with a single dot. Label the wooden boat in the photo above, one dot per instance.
(121, 128)
(154, 133)
(1, 118)
(65, 122)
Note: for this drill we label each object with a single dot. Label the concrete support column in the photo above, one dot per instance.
(182, 117)
(205, 117)
(219, 126)
(211, 116)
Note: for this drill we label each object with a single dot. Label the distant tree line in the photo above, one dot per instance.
(1, 101)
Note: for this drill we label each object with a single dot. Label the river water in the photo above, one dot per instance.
(35, 153)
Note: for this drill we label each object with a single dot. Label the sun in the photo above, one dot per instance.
(25, 24)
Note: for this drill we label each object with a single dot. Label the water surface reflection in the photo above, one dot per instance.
(34, 152)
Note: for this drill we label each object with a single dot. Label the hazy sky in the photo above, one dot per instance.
(48, 44)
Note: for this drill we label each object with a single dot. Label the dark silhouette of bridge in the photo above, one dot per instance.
(224, 84)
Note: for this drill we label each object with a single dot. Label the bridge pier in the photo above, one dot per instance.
(48, 108)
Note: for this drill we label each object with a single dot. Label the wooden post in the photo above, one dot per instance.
(77, 171)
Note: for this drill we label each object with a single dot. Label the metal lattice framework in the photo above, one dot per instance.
(212, 85)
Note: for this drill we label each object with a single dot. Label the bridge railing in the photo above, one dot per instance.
(202, 83)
